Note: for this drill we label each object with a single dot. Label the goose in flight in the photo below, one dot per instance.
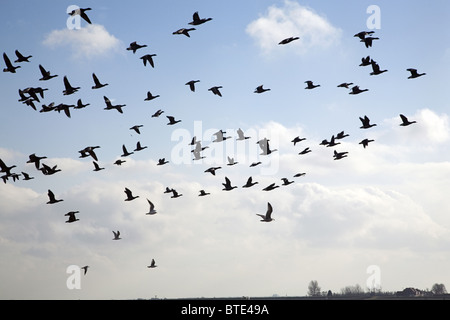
(365, 61)
(134, 46)
(152, 210)
(97, 167)
(162, 161)
(6, 169)
(288, 40)
(220, 136)
(46, 75)
(119, 162)
(216, 90)
(196, 20)
(139, 147)
(249, 183)
(51, 197)
(82, 13)
(333, 142)
(33, 158)
(125, 152)
(110, 106)
(311, 85)
(172, 120)
(341, 135)
(97, 82)
(366, 142)
(286, 182)
(136, 128)
(68, 87)
(80, 104)
(203, 193)
(184, 31)
(50, 107)
(26, 176)
(241, 135)
(271, 187)
(268, 216)
(157, 113)
(90, 151)
(227, 185)
(48, 171)
(175, 194)
(345, 85)
(414, 73)
(9, 66)
(231, 161)
(299, 174)
(339, 155)
(260, 89)
(150, 96)
(116, 235)
(71, 216)
(366, 123)
(85, 268)
(254, 164)
(264, 145)
(305, 151)
(297, 139)
(376, 69)
(191, 84)
(148, 58)
(212, 170)
(368, 41)
(362, 35)
(21, 57)
(129, 194)
(357, 90)
(405, 121)
(152, 264)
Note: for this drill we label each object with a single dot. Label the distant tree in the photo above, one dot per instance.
(352, 290)
(438, 288)
(313, 288)
(329, 293)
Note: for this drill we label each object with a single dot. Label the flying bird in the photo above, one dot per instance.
(136, 128)
(68, 87)
(288, 40)
(305, 151)
(345, 85)
(362, 35)
(21, 58)
(196, 20)
(366, 123)
(271, 187)
(46, 75)
(152, 210)
(368, 41)
(220, 136)
(129, 194)
(286, 182)
(148, 58)
(231, 161)
(241, 135)
(414, 73)
(162, 161)
(376, 69)
(365, 61)
(341, 135)
(175, 194)
(51, 197)
(139, 147)
(184, 31)
(150, 96)
(26, 176)
(311, 85)
(227, 185)
(134, 46)
(71, 216)
(125, 152)
(85, 268)
(97, 83)
(80, 104)
(157, 113)
(152, 264)
(297, 139)
(9, 66)
(191, 84)
(405, 121)
(33, 158)
(260, 89)
(339, 155)
(82, 13)
(110, 106)
(366, 142)
(97, 167)
(203, 193)
(250, 183)
(268, 216)
(172, 120)
(216, 90)
(357, 90)
(116, 235)
(212, 170)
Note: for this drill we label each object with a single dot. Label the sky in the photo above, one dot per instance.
(377, 218)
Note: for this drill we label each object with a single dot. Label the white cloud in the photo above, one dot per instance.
(87, 42)
(293, 19)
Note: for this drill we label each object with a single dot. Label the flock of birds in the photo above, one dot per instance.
(32, 95)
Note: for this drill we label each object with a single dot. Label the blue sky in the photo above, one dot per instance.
(383, 205)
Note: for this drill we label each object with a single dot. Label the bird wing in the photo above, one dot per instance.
(7, 61)
(269, 210)
(404, 119)
(152, 206)
(97, 83)
(85, 17)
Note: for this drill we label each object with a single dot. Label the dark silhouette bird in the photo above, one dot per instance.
(311, 85)
(414, 73)
(168, 190)
(341, 135)
(64, 107)
(365, 61)
(288, 40)
(68, 87)
(345, 85)
(33, 158)
(51, 197)
(152, 264)
(227, 185)
(265, 147)
(368, 41)
(175, 194)
(271, 187)
(157, 113)
(116, 235)
(125, 152)
(148, 58)
(9, 66)
(150, 96)
(151, 210)
(119, 162)
(90, 151)
(110, 106)
(333, 142)
(191, 84)
(5, 168)
(286, 181)
(129, 194)
(85, 268)
(220, 136)
(376, 69)
(162, 161)
(172, 120)
(21, 58)
(80, 104)
(339, 155)
(26, 176)
(48, 171)
(324, 142)
(362, 35)
(71, 216)
(97, 82)
(241, 135)
(357, 90)
(216, 90)
(297, 175)
(134, 46)
(405, 121)
(184, 31)
(254, 164)
(305, 151)
(268, 216)
(139, 147)
(196, 20)
(297, 139)
(136, 128)
(97, 167)
(82, 13)
(203, 193)
(260, 89)
(366, 123)
(213, 170)
(366, 142)
(46, 75)
(249, 183)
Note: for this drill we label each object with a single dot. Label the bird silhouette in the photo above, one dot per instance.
(191, 84)
(26, 176)
(162, 161)
(271, 187)
(260, 89)
(231, 161)
(46, 75)
(89, 151)
(9, 66)
(376, 69)
(157, 113)
(297, 140)
(125, 152)
(220, 136)
(184, 31)
(51, 197)
(339, 155)
(365, 61)
(68, 87)
(362, 35)
(82, 13)
(227, 185)
(286, 182)
(152, 264)
(119, 162)
(97, 167)
(116, 235)
(21, 58)
(366, 123)
(216, 90)
(71, 216)
(250, 183)
(196, 20)
(97, 83)
(134, 46)
(172, 120)
(300, 174)
(345, 85)
(33, 158)
(405, 121)
(150, 96)
(137, 128)
(305, 151)
(85, 268)
(414, 73)
(129, 194)
(368, 41)
(288, 40)
(341, 135)
(356, 90)
(311, 85)
(152, 210)
(333, 142)
(148, 58)
(268, 216)
(110, 106)
(175, 194)
(365, 142)
(139, 147)
(203, 193)
(80, 104)
(241, 135)
(213, 170)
